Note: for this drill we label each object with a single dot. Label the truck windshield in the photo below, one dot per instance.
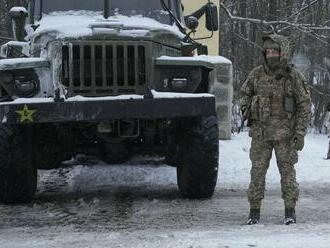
(146, 8)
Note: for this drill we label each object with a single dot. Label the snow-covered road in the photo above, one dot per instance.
(137, 205)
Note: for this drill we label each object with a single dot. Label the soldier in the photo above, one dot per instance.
(276, 99)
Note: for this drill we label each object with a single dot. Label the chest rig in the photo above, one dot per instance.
(273, 97)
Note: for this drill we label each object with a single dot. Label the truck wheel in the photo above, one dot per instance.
(18, 176)
(198, 170)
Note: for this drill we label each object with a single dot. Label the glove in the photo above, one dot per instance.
(298, 141)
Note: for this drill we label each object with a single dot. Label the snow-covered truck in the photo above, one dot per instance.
(108, 79)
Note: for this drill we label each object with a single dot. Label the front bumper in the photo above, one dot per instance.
(98, 110)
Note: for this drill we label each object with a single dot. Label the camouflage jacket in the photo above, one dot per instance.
(279, 102)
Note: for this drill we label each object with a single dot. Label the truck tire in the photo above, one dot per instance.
(198, 170)
(18, 176)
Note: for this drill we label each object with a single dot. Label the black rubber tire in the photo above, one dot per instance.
(198, 170)
(18, 176)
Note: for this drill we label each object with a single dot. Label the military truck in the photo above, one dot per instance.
(109, 79)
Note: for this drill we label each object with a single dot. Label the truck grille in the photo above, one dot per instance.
(104, 68)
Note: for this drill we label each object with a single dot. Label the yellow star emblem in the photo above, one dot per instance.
(26, 114)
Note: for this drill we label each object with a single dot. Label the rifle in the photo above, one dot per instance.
(246, 112)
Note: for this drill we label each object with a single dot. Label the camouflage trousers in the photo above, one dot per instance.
(286, 156)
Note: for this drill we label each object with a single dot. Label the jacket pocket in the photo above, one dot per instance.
(255, 132)
(260, 108)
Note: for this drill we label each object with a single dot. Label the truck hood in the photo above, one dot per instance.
(71, 25)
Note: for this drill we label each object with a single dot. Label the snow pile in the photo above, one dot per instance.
(138, 171)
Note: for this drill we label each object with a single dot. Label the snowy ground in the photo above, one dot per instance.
(137, 205)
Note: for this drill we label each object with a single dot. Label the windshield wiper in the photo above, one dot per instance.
(176, 20)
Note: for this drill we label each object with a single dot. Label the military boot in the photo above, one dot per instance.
(254, 217)
(290, 216)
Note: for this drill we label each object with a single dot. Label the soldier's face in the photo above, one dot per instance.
(272, 53)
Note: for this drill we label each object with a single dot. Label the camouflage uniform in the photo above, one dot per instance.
(279, 103)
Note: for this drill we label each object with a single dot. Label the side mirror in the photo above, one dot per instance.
(18, 16)
(192, 23)
(212, 17)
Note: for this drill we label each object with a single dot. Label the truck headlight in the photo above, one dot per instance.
(20, 83)
(183, 79)
(179, 83)
(26, 88)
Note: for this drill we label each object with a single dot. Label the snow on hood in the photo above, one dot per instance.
(75, 24)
